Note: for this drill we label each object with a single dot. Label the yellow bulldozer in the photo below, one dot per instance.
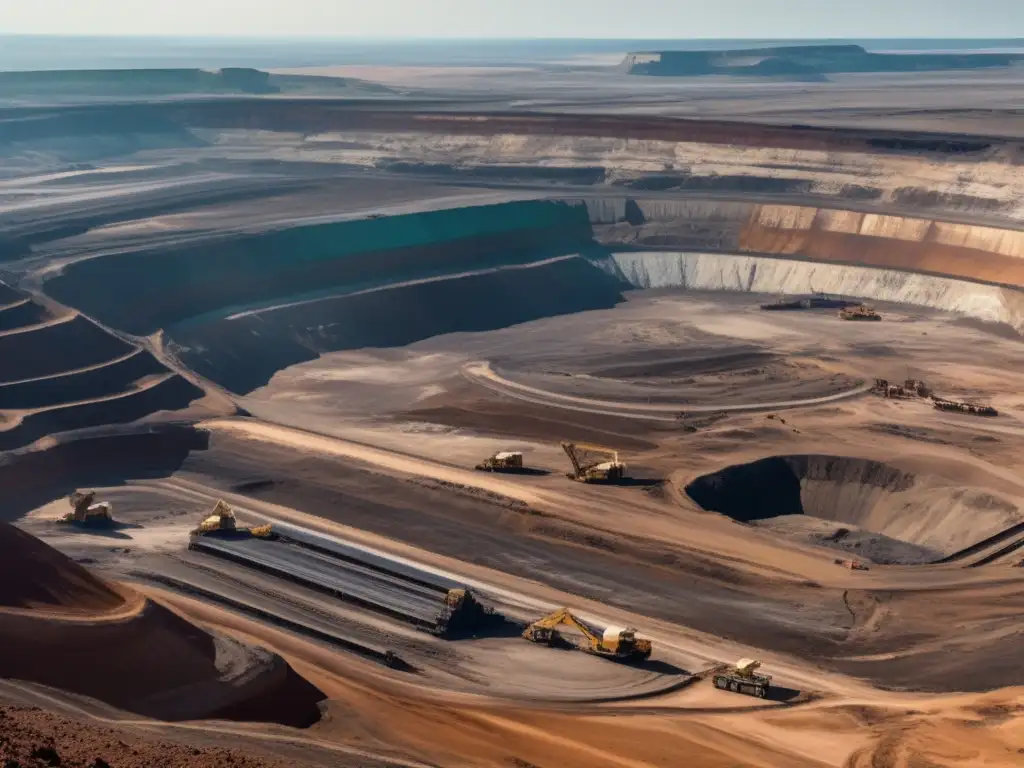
(86, 512)
(611, 642)
(222, 520)
(593, 463)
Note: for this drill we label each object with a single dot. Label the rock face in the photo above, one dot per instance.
(804, 62)
(923, 245)
(774, 276)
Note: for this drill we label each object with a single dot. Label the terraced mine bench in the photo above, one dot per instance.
(355, 575)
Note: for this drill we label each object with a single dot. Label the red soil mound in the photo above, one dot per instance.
(34, 738)
(33, 575)
(143, 659)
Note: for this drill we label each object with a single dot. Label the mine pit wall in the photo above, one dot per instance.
(243, 353)
(48, 350)
(775, 276)
(890, 258)
(106, 379)
(238, 309)
(32, 478)
(171, 393)
(145, 291)
(20, 315)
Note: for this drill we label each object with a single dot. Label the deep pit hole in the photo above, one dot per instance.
(864, 507)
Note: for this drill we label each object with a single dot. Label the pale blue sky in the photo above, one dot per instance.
(520, 18)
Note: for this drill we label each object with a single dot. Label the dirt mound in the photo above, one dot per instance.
(35, 738)
(855, 504)
(142, 658)
(33, 575)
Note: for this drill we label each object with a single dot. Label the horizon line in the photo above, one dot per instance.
(374, 38)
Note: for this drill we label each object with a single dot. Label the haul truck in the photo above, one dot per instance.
(744, 678)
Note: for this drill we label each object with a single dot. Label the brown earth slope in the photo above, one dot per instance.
(138, 655)
(36, 576)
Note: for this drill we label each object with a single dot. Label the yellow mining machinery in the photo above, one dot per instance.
(85, 512)
(859, 312)
(612, 642)
(222, 520)
(503, 461)
(744, 678)
(594, 463)
(908, 389)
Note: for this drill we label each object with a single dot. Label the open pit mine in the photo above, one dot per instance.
(352, 400)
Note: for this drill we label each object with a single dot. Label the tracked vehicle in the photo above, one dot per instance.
(610, 642)
(860, 312)
(86, 513)
(744, 678)
(593, 463)
(503, 461)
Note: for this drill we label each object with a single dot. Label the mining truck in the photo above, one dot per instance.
(744, 678)
(859, 312)
(86, 512)
(593, 463)
(611, 642)
(503, 461)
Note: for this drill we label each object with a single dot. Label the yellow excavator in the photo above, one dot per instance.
(593, 463)
(85, 512)
(611, 642)
(222, 519)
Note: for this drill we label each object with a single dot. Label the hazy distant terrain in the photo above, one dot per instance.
(54, 86)
(807, 62)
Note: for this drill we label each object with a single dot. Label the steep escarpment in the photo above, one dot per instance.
(243, 351)
(924, 245)
(782, 276)
(143, 292)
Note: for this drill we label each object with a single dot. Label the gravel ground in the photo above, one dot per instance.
(33, 738)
